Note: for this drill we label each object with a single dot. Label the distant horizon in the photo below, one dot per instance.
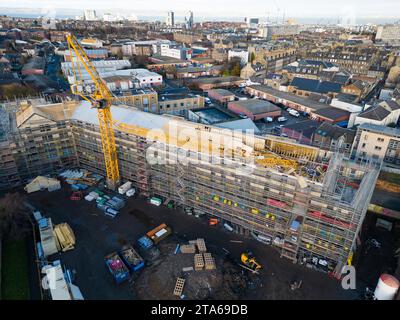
(180, 18)
(349, 13)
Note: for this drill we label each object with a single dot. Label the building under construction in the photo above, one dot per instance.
(308, 202)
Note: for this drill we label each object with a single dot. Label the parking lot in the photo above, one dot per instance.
(98, 235)
(273, 127)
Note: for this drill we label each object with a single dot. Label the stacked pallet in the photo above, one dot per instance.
(65, 236)
(180, 282)
(198, 262)
(201, 245)
(209, 261)
(188, 248)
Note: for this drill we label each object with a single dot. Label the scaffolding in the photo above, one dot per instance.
(260, 185)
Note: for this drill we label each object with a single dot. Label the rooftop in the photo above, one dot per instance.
(257, 106)
(290, 97)
(375, 113)
(222, 92)
(316, 85)
(332, 113)
(211, 80)
(214, 115)
(393, 132)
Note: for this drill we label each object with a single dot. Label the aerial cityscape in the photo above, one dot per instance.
(181, 150)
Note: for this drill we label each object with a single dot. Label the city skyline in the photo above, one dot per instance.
(264, 9)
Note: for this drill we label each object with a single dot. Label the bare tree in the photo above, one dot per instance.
(14, 216)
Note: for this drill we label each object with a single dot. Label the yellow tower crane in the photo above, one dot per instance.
(99, 97)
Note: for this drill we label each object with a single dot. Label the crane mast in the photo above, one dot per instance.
(99, 98)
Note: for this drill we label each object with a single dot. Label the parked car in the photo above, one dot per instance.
(294, 113)
(268, 119)
(282, 119)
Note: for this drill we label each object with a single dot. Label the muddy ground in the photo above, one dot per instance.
(98, 235)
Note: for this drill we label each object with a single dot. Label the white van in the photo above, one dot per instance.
(294, 113)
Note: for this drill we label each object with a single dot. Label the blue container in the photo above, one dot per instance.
(145, 243)
(120, 275)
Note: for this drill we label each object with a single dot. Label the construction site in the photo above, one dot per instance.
(307, 202)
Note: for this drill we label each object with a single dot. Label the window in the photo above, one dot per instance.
(381, 139)
(378, 148)
(363, 145)
(393, 144)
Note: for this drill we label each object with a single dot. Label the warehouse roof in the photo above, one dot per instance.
(332, 113)
(222, 92)
(289, 97)
(256, 106)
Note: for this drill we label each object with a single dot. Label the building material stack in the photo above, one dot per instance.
(180, 282)
(201, 245)
(65, 236)
(209, 261)
(198, 262)
(188, 248)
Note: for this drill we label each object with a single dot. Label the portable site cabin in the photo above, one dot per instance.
(54, 281)
(42, 183)
(47, 237)
(59, 285)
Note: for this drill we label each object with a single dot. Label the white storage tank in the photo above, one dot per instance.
(387, 287)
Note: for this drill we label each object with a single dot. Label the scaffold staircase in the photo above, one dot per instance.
(180, 182)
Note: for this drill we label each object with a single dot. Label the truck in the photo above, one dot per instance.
(159, 233)
(131, 258)
(125, 187)
(117, 268)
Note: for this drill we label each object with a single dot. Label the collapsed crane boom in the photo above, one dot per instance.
(100, 98)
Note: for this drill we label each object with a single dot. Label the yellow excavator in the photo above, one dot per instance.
(249, 262)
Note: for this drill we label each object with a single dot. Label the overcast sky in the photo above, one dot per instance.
(229, 8)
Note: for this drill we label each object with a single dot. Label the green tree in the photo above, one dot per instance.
(236, 70)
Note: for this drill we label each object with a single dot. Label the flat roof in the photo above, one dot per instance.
(214, 115)
(222, 92)
(211, 80)
(256, 106)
